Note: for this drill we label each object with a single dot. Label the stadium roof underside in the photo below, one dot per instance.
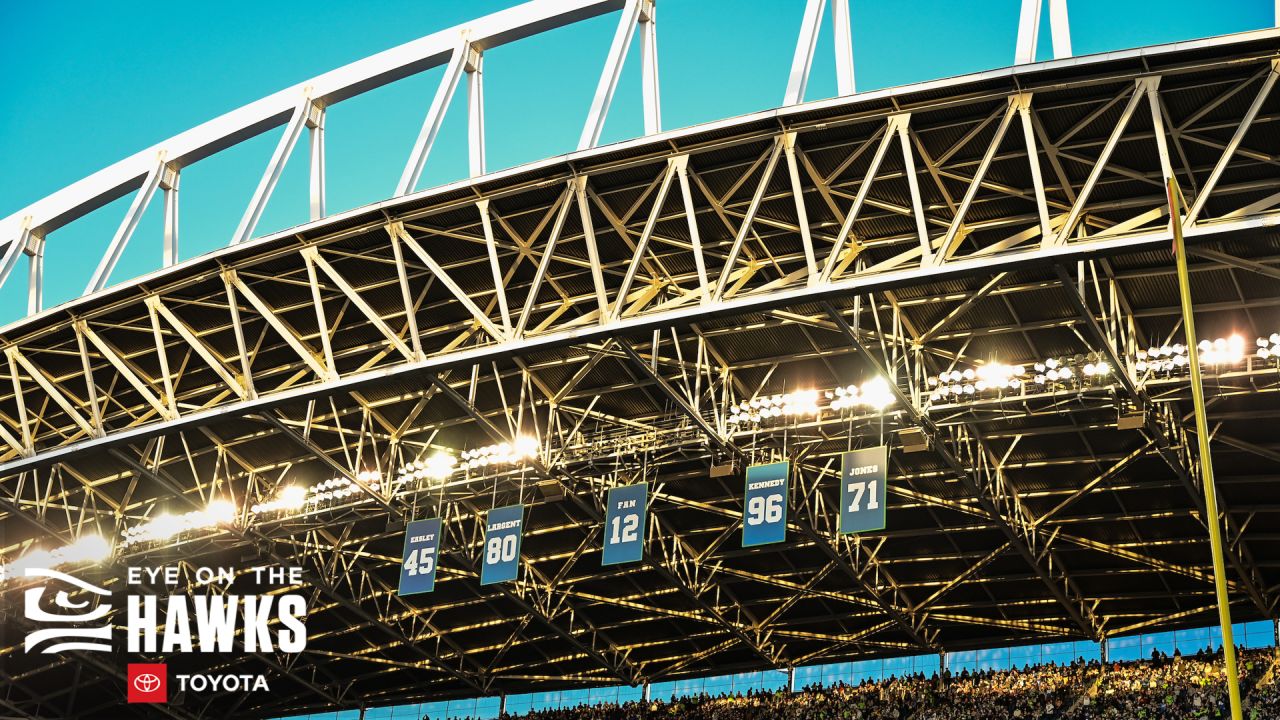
(692, 270)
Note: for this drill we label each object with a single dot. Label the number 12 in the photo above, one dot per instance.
(625, 529)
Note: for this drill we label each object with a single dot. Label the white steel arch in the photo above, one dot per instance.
(460, 49)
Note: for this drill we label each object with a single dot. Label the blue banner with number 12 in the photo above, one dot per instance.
(624, 524)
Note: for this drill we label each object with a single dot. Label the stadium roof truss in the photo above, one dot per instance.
(613, 303)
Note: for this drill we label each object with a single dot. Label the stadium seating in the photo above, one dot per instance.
(1162, 688)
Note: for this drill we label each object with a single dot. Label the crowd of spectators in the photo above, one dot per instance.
(1163, 688)
(1264, 701)
(1171, 687)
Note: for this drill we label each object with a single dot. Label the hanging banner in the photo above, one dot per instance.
(862, 489)
(503, 531)
(624, 524)
(764, 517)
(418, 563)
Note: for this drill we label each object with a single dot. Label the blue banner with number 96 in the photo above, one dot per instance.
(764, 516)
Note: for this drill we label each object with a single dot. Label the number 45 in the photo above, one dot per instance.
(859, 489)
(420, 562)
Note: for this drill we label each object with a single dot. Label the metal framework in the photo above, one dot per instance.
(612, 303)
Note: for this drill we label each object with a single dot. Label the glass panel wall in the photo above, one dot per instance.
(1260, 634)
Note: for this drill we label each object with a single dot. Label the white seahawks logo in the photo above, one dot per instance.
(72, 638)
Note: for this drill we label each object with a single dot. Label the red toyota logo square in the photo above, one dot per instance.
(148, 683)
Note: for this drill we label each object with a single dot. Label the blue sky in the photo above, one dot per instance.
(88, 83)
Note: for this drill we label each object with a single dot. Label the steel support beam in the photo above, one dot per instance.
(317, 174)
(651, 98)
(1029, 30)
(1076, 608)
(898, 615)
(169, 184)
(631, 13)
(275, 166)
(474, 68)
(1243, 566)
(435, 116)
(141, 200)
(1233, 145)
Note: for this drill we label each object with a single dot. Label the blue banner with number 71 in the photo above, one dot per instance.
(862, 489)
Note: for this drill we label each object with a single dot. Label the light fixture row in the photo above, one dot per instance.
(873, 394)
(165, 526)
(295, 499)
(997, 378)
(1269, 347)
(88, 548)
(519, 451)
(1174, 359)
(437, 467)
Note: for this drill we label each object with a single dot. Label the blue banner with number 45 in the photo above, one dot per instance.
(418, 564)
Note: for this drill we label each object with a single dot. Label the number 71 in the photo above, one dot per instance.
(859, 489)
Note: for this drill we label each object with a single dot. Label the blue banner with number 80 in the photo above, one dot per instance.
(504, 528)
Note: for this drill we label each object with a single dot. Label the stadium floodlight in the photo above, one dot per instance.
(1214, 354)
(792, 404)
(800, 402)
(877, 394)
(1052, 374)
(341, 488)
(520, 450)
(874, 394)
(37, 558)
(88, 548)
(338, 488)
(1098, 369)
(804, 403)
(1165, 359)
(844, 398)
(165, 526)
(992, 377)
(436, 469)
(290, 498)
(1269, 347)
(221, 511)
(1222, 351)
